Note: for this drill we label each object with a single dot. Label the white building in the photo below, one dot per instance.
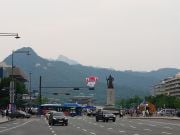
(169, 86)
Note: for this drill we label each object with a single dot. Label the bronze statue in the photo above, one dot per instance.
(110, 82)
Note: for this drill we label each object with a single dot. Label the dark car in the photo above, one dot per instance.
(58, 118)
(178, 113)
(105, 116)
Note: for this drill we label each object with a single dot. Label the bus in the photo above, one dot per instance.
(69, 109)
(44, 108)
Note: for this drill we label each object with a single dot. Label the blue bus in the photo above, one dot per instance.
(72, 109)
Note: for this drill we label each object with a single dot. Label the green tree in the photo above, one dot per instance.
(131, 102)
(177, 103)
(4, 91)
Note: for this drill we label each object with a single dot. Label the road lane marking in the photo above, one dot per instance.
(16, 126)
(92, 133)
(15, 123)
(84, 130)
(3, 127)
(152, 125)
(147, 130)
(168, 128)
(135, 134)
(78, 127)
(52, 132)
(140, 123)
(132, 126)
(166, 133)
(121, 131)
(95, 124)
(110, 128)
(101, 126)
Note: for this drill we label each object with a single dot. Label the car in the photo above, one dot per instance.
(91, 113)
(72, 113)
(178, 113)
(58, 118)
(19, 114)
(105, 116)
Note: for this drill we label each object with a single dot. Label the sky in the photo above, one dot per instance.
(139, 35)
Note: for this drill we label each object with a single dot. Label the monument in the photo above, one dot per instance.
(110, 92)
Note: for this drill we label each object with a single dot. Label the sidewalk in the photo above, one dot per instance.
(3, 119)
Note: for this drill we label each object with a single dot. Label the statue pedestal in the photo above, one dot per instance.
(110, 98)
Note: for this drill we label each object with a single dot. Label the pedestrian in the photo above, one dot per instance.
(7, 114)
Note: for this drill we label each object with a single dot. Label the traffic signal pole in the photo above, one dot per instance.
(40, 97)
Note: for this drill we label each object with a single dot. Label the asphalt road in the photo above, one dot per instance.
(88, 126)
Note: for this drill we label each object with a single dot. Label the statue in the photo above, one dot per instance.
(110, 82)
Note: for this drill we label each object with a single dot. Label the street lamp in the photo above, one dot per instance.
(15, 35)
(11, 90)
(12, 86)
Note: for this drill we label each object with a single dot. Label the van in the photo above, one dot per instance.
(167, 112)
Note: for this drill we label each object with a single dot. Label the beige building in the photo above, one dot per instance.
(6, 71)
(169, 86)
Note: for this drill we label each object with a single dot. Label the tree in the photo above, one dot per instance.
(177, 103)
(129, 103)
(4, 91)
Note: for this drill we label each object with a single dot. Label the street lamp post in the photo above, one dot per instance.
(11, 90)
(15, 35)
(12, 85)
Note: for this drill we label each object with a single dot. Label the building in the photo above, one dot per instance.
(169, 86)
(6, 71)
(84, 100)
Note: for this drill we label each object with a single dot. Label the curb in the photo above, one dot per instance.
(166, 118)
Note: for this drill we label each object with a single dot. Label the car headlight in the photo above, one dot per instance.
(54, 118)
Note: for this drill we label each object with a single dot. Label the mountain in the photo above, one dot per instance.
(58, 73)
(67, 60)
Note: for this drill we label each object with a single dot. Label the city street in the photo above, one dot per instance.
(88, 126)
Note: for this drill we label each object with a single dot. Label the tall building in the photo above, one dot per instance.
(169, 86)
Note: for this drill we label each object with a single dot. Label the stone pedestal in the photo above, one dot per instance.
(110, 98)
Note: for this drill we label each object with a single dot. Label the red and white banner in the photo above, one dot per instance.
(91, 81)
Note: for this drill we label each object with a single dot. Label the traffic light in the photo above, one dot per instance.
(76, 88)
(55, 93)
(91, 88)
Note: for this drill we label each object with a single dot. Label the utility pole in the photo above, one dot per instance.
(30, 92)
(40, 98)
